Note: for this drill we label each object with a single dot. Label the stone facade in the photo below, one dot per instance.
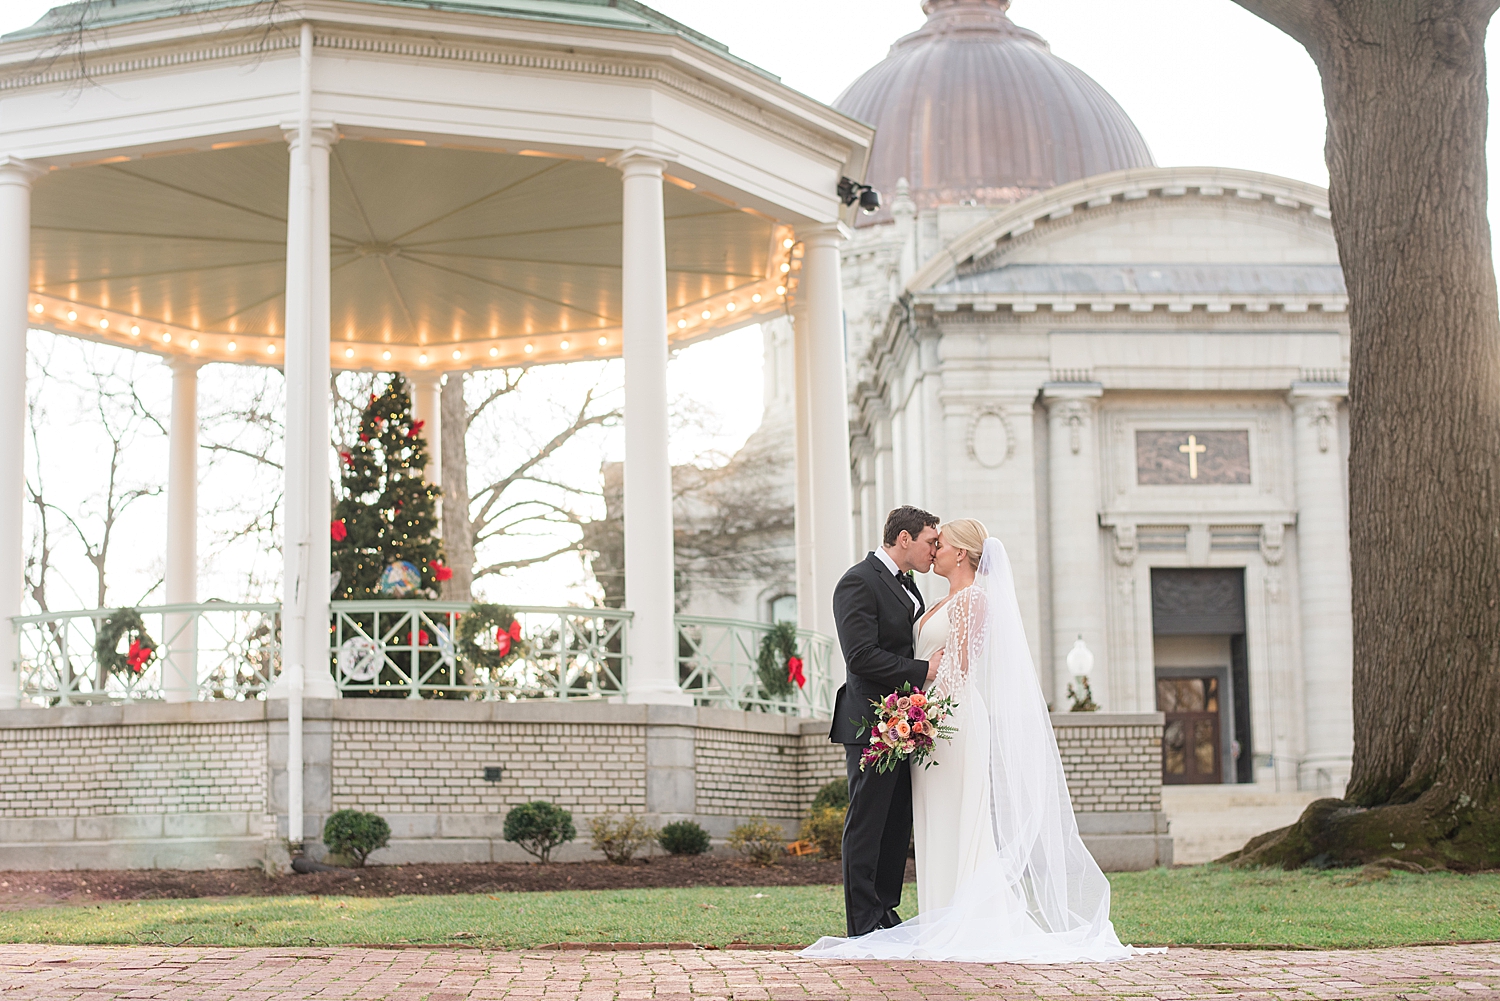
(203, 785)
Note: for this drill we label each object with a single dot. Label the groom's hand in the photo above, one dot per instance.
(933, 664)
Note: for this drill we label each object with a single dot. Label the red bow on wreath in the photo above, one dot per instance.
(504, 638)
(138, 655)
(794, 671)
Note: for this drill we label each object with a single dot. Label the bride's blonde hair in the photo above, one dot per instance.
(967, 534)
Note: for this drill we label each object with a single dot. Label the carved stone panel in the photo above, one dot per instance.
(1192, 458)
(1197, 602)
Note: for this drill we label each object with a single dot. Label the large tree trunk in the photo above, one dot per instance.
(458, 534)
(1404, 84)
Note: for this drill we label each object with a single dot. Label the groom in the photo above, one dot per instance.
(874, 608)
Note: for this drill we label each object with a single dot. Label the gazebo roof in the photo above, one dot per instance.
(475, 219)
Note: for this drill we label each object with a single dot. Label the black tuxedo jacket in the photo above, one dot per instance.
(874, 617)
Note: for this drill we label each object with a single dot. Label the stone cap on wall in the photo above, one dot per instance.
(1109, 719)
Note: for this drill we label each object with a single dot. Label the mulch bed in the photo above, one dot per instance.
(28, 889)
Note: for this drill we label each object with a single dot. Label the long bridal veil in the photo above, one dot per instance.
(1040, 898)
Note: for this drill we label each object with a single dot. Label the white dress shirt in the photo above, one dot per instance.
(890, 565)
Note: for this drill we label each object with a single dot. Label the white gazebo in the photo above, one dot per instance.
(350, 184)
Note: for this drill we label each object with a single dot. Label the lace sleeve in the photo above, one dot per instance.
(966, 617)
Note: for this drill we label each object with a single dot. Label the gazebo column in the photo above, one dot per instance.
(427, 407)
(1324, 587)
(652, 674)
(308, 473)
(15, 285)
(807, 588)
(1077, 576)
(821, 289)
(180, 668)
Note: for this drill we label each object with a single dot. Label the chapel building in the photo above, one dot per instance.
(1134, 375)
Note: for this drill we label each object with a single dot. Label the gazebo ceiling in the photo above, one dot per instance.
(442, 257)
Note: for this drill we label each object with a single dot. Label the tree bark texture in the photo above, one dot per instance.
(458, 535)
(1405, 89)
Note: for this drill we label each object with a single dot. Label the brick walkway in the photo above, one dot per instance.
(100, 973)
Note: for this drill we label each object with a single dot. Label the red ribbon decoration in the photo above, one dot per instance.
(418, 638)
(338, 530)
(441, 572)
(502, 642)
(794, 671)
(515, 629)
(138, 655)
(416, 428)
(348, 458)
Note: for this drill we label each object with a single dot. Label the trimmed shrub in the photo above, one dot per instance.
(835, 794)
(824, 827)
(683, 837)
(759, 840)
(539, 827)
(355, 835)
(619, 840)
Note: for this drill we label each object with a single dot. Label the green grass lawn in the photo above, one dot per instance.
(1200, 905)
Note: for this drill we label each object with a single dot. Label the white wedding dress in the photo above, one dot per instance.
(1002, 875)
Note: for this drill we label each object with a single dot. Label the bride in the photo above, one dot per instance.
(1002, 875)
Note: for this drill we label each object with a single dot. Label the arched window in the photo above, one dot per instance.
(784, 608)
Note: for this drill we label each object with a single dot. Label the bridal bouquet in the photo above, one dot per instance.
(907, 725)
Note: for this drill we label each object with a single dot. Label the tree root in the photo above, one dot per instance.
(1430, 833)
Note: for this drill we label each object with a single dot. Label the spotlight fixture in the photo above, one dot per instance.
(530, 348)
(781, 290)
(603, 342)
(851, 191)
(166, 338)
(785, 267)
(788, 243)
(270, 349)
(421, 359)
(755, 297)
(707, 314)
(681, 324)
(729, 306)
(38, 308)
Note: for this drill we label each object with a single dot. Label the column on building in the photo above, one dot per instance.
(1323, 585)
(652, 676)
(821, 289)
(807, 586)
(1076, 571)
(309, 471)
(180, 666)
(15, 274)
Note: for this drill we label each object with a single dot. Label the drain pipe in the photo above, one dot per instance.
(295, 670)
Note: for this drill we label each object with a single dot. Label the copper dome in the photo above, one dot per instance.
(973, 108)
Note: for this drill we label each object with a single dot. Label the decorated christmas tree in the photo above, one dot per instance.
(382, 532)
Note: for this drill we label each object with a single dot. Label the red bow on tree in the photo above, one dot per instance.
(364, 437)
(138, 655)
(441, 572)
(348, 458)
(794, 671)
(416, 428)
(338, 530)
(419, 638)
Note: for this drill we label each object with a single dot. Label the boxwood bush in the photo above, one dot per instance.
(539, 827)
(683, 837)
(355, 835)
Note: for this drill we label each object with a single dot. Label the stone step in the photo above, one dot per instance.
(1211, 821)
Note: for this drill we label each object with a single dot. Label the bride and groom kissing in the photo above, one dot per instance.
(1002, 874)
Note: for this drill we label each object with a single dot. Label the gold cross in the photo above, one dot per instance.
(1193, 450)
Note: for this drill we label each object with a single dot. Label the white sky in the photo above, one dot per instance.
(1205, 82)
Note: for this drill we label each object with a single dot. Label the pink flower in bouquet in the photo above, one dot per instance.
(890, 700)
(903, 704)
(903, 728)
(918, 699)
(916, 714)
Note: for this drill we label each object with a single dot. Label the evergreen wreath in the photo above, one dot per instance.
(488, 622)
(777, 648)
(126, 621)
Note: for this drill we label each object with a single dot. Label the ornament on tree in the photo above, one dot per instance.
(400, 580)
(338, 531)
(441, 572)
(388, 513)
(360, 659)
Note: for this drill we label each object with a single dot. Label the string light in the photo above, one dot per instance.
(564, 345)
(755, 297)
(529, 349)
(72, 315)
(785, 267)
(135, 331)
(270, 349)
(781, 290)
(348, 352)
(166, 338)
(707, 314)
(103, 324)
(385, 356)
(603, 341)
(729, 306)
(494, 352)
(232, 346)
(38, 308)
(421, 359)
(788, 243)
(193, 344)
(681, 324)
(457, 355)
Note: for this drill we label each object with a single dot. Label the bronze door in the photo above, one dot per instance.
(1190, 741)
